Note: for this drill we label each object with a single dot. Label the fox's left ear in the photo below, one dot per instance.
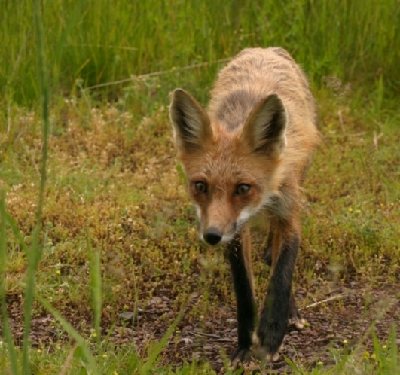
(264, 130)
(190, 121)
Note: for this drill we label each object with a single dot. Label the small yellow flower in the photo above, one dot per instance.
(320, 363)
(104, 355)
(345, 342)
(58, 272)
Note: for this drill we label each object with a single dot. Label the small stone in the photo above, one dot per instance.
(126, 315)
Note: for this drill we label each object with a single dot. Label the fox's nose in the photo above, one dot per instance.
(212, 236)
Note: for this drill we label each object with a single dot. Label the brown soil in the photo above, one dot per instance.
(343, 318)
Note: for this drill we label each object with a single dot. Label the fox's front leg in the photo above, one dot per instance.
(275, 313)
(238, 252)
(294, 314)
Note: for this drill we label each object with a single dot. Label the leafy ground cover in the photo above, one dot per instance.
(120, 193)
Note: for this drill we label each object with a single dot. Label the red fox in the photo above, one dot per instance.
(246, 154)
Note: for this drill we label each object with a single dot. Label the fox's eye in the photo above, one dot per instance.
(200, 187)
(242, 189)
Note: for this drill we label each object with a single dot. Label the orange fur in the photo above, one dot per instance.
(222, 151)
(248, 152)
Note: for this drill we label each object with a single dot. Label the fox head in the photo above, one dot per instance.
(231, 172)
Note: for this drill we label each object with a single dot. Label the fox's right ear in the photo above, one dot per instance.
(190, 121)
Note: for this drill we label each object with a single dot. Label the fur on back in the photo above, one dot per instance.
(251, 76)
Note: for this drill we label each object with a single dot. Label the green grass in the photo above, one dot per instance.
(96, 42)
(103, 223)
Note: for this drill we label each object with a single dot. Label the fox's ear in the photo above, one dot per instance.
(190, 121)
(264, 130)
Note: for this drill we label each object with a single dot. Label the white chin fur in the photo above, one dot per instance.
(198, 211)
(244, 216)
(227, 238)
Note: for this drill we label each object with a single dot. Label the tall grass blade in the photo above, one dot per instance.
(95, 287)
(35, 251)
(4, 314)
(386, 356)
(91, 362)
(66, 367)
(157, 347)
(393, 352)
(16, 231)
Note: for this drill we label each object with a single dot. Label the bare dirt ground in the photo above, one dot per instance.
(343, 319)
(340, 322)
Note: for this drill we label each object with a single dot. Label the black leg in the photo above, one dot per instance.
(242, 281)
(275, 314)
(268, 249)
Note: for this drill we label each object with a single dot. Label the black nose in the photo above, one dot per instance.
(212, 236)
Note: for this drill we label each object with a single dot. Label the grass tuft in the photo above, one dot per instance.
(35, 251)
(95, 288)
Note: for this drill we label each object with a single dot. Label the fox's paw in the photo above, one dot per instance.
(270, 339)
(239, 356)
(263, 355)
(297, 322)
(295, 318)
